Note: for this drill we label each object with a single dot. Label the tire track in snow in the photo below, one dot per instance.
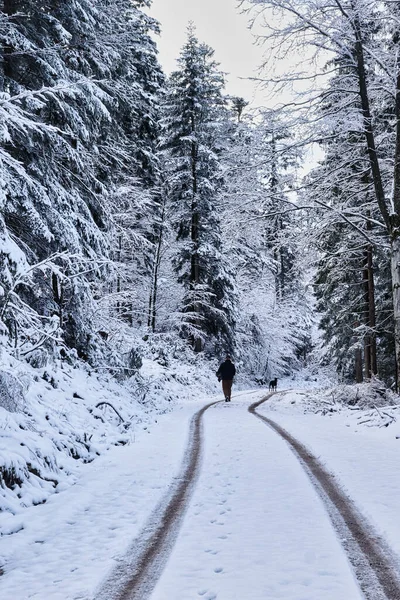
(375, 566)
(137, 573)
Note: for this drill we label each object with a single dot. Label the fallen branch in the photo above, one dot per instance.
(392, 417)
(111, 406)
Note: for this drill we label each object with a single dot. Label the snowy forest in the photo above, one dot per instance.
(151, 223)
(150, 220)
(140, 213)
(143, 213)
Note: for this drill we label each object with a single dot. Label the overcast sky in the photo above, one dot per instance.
(219, 24)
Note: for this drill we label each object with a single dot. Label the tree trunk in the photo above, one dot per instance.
(358, 355)
(119, 259)
(195, 270)
(358, 366)
(392, 221)
(367, 335)
(372, 312)
(368, 127)
(58, 295)
(370, 363)
(395, 271)
(151, 321)
(395, 230)
(277, 249)
(7, 50)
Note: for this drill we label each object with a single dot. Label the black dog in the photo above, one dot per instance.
(273, 384)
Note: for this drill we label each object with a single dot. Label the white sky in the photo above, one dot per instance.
(219, 24)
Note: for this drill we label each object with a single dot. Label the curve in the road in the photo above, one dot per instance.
(375, 567)
(138, 572)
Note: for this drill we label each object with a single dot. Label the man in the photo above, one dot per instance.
(226, 372)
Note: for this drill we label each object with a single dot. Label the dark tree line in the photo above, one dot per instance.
(118, 208)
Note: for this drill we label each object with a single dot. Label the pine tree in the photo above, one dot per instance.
(362, 36)
(273, 330)
(193, 121)
(80, 81)
(51, 205)
(346, 282)
(132, 165)
(280, 159)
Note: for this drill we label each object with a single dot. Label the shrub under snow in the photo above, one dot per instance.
(52, 417)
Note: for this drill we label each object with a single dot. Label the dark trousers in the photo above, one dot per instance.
(227, 387)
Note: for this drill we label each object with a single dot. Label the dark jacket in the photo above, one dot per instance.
(226, 371)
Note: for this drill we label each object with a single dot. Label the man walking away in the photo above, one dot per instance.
(226, 372)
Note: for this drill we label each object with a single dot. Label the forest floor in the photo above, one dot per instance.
(221, 506)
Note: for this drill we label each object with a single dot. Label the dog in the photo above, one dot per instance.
(273, 384)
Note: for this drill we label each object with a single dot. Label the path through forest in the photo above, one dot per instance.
(212, 503)
(258, 525)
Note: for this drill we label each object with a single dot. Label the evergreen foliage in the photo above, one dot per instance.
(346, 69)
(79, 81)
(194, 116)
(135, 210)
(353, 299)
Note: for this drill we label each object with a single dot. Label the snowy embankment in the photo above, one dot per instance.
(54, 419)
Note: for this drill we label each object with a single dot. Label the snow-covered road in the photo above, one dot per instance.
(255, 527)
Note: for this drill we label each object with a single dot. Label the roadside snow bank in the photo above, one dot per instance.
(370, 404)
(53, 418)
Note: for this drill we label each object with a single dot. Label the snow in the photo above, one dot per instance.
(68, 544)
(255, 526)
(364, 459)
(72, 414)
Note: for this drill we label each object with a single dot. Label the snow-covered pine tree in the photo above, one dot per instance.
(53, 115)
(242, 234)
(43, 211)
(352, 279)
(281, 155)
(194, 117)
(350, 242)
(132, 165)
(278, 171)
(79, 84)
